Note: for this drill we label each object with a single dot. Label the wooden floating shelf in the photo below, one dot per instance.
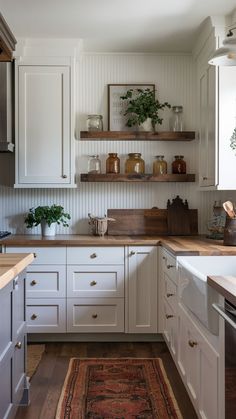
(104, 177)
(138, 135)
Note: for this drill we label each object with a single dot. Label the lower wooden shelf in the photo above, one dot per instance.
(105, 177)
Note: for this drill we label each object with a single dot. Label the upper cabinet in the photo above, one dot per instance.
(217, 114)
(44, 122)
(7, 41)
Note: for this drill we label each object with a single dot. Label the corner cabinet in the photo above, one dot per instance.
(44, 123)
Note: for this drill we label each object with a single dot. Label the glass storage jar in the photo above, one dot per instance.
(94, 164)
(176, 120)
(112, 163)
(134, 164)
(159, 166)
(179, 165)
(94, 123)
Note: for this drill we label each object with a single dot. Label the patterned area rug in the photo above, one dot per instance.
(34, 355)
(117, 389)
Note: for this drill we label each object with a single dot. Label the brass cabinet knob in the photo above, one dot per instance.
(33, 283)
(192, 343)
(169, 316)
(18, 345)
(132, 253)
(64, 176)
(163, 257)
(93, 255)
(92, 283)
(170, 266)
(35, 255)
(204, 177)
(169, 294)
(34, 316)
(94, 316)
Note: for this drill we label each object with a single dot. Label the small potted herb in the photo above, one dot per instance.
(143, 108)
(48, 217)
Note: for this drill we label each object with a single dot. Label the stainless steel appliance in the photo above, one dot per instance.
(229, 314)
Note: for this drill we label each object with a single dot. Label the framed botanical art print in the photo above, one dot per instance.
(116, 106)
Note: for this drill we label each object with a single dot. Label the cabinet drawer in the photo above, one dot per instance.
(95, 315)
(170, 292)
(46, 281)
(171, 333)
(44, 255)
(95, 281)
(169, 265)
(95, 255)
(45, 316)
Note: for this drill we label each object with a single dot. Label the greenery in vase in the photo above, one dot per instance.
(52, 214)
(142, 104)
(233, 140)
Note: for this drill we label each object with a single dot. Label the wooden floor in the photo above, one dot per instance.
(47, 382)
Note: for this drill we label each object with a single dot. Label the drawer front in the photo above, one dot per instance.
(46, 281)
(45, 316)
(171, 333)
(44, 255)
(95, 255)
(170, 292)
(102, 281)
(95, 315)
(169, 265)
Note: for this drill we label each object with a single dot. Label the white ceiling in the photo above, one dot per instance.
(115, 25)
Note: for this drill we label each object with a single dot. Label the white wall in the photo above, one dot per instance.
(174, 76)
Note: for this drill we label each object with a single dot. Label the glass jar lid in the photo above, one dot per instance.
(177, 108)
(95, 116)
(134, 154)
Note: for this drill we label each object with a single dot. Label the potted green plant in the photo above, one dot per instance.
(48, 217)
(143, 108)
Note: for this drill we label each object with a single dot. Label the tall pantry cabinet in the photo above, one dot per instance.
(44, 96)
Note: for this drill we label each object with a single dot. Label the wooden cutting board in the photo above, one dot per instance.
(127, 222)
(150, 222)
(181, 221)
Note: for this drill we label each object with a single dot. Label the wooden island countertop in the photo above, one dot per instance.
(11, 265)
(178, 245)
(224, 285)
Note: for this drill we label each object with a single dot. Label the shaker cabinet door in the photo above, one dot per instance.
(44, 125)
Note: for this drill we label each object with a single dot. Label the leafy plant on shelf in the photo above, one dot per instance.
(52, 214)
(141, 105)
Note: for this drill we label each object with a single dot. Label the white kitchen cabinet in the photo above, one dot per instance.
(198, 364)
(13, 383)
(44, 128)
(142, 279)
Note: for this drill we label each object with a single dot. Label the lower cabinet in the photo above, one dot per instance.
(13, 382)
(199, 365)
(141, 263)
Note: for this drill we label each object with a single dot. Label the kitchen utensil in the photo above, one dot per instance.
(229, 208)
(99, 225)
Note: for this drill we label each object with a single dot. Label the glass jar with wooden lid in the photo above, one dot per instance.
(179, 165)
(134, 164)
(112, 163)
(159, 166)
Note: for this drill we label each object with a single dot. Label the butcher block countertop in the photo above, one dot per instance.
(225, 285)
(178, 245)
(11, 265)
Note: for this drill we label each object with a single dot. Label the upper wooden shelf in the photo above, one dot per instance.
(138, 135)
(134, 177)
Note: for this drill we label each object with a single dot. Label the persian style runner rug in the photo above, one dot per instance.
(117, 389)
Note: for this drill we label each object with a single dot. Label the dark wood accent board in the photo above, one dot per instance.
(149, 222)
(138, 135)
(108, 177)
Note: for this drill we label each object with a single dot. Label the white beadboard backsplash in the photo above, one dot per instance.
(174, 77)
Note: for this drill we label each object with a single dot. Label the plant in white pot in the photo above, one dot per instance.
(48, 217)
(142, 108)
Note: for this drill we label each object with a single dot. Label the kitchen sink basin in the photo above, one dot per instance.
(195, 293)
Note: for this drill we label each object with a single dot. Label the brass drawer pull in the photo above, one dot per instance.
(34, 316)
(192, 343)
(169, 294)
(92, 283)
(132, 253)
(170, 266)
(35, 255)
(94, 316)
(93, 255)
(169, 316)
(64, 176)
(18, 345)
(33, 283)
(163, 257)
